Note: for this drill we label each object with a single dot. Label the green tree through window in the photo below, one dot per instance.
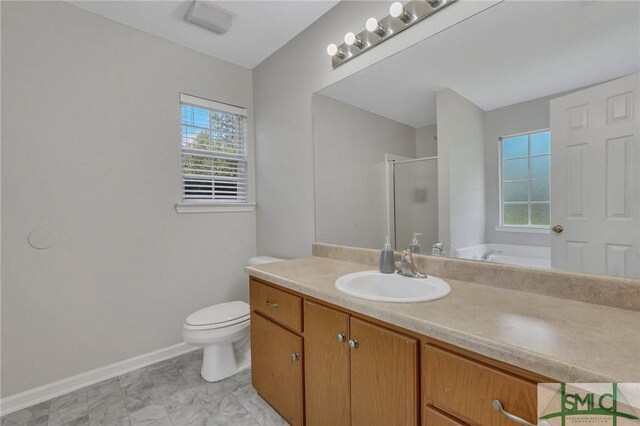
(213, 155)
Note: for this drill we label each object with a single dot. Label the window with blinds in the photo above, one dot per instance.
(214, 151)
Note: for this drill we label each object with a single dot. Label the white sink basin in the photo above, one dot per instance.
(374, 285)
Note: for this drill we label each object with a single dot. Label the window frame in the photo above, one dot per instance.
(212, 205)
(525, 227)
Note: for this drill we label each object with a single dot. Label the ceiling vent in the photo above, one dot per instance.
(209, 16)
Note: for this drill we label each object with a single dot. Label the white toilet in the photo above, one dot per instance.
(216, 329)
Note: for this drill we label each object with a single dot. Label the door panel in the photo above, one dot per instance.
(595, 162)
(326, 366)
(275, 374)
(416, 201)
(384, 377)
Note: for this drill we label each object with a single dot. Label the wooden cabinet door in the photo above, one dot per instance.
(384, 377)
(276, 374)
(326, 366)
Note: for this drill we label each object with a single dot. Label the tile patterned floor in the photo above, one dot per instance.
(167, 393)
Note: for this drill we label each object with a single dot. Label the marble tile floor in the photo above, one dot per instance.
(170, 392)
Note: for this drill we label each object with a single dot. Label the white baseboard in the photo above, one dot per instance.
(44, 393)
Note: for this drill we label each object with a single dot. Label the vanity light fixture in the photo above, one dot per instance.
(350, 39)
(376, 31)
(373, 26)
(335, 51)
(397, 10)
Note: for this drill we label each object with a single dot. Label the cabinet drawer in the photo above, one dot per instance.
(433, 417)
(276, 368)
(282, 307)
(465, 388)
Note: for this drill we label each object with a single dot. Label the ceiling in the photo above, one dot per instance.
(513, 52)
(261, 27)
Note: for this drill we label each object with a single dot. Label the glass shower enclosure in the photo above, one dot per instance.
(415, 202)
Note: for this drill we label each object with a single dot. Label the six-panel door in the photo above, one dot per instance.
(595, 148)
(326, 366)
(276, 362)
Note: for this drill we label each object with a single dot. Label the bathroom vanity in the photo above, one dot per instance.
(520, 152)
(320, 357)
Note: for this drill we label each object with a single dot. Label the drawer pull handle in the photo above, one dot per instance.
(272, 305)
(295, 357)
(341, 337)
(497, 405)
(353, 343)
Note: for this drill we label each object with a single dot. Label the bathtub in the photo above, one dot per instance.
(535, 256)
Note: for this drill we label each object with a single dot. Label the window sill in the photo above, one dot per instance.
(527, 229)
(215, 207)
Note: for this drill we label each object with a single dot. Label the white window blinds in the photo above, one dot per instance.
(214, 151)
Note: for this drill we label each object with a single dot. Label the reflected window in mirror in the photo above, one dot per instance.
(525, 179)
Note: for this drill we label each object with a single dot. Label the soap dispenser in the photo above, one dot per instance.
(387, 261)
(415, 245)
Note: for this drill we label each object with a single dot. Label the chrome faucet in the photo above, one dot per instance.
(406, 266)
(488, 254)
(437, 249)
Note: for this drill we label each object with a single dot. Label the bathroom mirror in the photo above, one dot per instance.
(510, 137)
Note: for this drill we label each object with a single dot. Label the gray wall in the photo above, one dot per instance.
(513, 119)
(350, 186)
(283, 85)
(426, 144)
(90, 149)
(461, 182)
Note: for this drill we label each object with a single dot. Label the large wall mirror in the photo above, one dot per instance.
(511, 137)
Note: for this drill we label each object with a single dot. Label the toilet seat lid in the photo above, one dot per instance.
(220, 313)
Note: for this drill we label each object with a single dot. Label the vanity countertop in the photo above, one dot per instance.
(567, 340)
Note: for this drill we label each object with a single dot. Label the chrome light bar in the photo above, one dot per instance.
(400, 18)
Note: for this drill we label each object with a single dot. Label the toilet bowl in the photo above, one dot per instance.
(217, 329)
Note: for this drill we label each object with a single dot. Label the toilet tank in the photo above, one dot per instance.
(261, 260)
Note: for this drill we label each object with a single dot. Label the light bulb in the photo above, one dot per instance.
(334, 50)
(373, 26)
(397, 10)
(351, 39)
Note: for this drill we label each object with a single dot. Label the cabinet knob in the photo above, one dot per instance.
(341, 337)
(295, 356)
(272, 305)
(557, 229)
(353, 343)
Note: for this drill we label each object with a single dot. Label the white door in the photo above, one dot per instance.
(595, 176)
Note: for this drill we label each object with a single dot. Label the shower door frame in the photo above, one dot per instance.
(390, 161)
